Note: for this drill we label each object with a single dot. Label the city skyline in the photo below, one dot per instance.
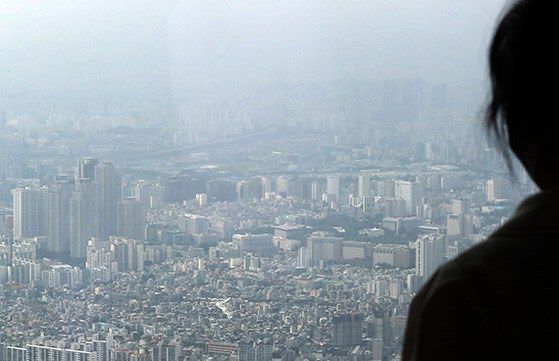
(237, 180)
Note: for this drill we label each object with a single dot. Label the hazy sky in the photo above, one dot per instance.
(59, 44)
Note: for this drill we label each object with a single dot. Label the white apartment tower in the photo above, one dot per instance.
(30, 210)
(109, 194)
(429, 255)
(84, 217)
(130, 219)
(59, 197)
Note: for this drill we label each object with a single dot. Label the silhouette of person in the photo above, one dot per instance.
(496, 301)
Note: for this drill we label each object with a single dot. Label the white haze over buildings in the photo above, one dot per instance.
(163, 45)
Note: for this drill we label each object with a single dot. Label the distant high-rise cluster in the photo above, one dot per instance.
(72, 211)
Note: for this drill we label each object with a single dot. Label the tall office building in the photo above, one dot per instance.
(93, 206)
(30, 212)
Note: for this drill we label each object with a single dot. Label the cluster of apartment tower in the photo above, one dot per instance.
(72, 211)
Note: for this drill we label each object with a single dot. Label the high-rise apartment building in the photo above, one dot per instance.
(93, 205)
(109, 194)
(59, 198)
(85, 216)
(130, 219)
(85, 168)
(129, 254)
(150, 195)
(13, 353)
(364, 185)
(333, 186)
(163, 353)
(30, 210)
(47, 353)
(70, 212)
(429, 255)
(99, 260)
(303, 257)
(244, 190)
(315, 190)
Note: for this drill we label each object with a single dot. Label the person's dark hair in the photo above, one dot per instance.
(523, 71)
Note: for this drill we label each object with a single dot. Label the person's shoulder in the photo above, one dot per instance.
(536, 214)
(451, 278)
(514, 253)
(532, 231)
(487, 254)
(441, 314)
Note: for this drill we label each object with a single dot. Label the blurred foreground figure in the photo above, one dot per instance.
(497, 301)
